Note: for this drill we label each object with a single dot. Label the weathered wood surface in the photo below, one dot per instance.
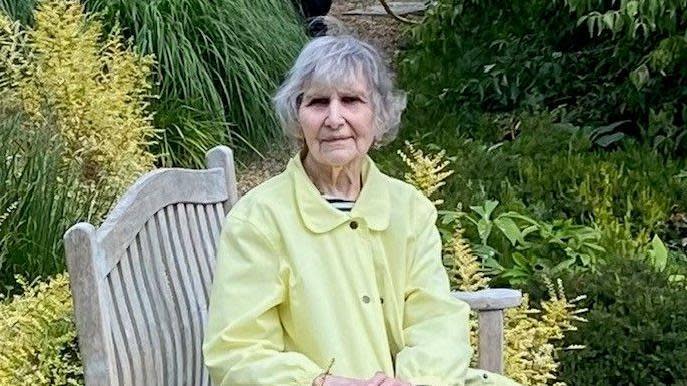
(491, 299)
(490, 352)
(490, 305)
(141, 281)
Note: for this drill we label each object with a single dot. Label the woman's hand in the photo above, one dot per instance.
(379, 379)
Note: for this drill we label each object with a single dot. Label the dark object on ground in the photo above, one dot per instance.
(311, 10)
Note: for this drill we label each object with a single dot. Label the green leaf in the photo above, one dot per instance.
(484, 229)
(608, 128)
(520, 260)
(510, 229)
(609, 20)
(563, 266)
(516, 215)
(485, 210)
(632, 7)
(658, 253)
(607, 140)
(640, 76)
(493, 265)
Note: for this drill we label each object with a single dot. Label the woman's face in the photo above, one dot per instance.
(337, 123)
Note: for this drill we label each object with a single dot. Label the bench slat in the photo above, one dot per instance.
(141, 351)
(187, 257)
(160, 266)
(203, 251)
(180, 290)
(124, 338)
(149, 318)
(157, 289)
(208, 243)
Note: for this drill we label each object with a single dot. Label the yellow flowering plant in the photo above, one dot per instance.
(532, 336)
(426, 171)
(90, 86)
(37, 336)
(66, 79)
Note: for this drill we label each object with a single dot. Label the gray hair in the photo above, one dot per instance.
(335, 60)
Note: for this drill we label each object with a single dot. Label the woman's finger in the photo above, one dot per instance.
(390, 382)
(377, 380)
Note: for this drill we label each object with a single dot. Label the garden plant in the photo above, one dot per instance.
(549, 134)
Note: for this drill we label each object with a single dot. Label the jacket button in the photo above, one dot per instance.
(366, 299)
(353, 224)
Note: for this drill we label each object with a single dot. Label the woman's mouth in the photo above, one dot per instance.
(338, 139)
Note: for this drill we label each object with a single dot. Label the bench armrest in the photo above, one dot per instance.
(490, 303)
(490, 299)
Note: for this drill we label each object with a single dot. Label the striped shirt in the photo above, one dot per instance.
(339, 203)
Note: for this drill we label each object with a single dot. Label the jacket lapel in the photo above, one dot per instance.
(320, 216)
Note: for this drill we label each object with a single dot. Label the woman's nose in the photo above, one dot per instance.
(334, 117)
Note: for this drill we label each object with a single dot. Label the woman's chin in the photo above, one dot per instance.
(338, 157)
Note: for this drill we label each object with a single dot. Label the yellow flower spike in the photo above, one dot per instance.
(94, 89)
(464, 270)
(426, 171)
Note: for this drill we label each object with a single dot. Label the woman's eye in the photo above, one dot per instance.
(319, 101)
(350, 99)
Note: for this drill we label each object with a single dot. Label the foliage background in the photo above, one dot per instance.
(563, 121)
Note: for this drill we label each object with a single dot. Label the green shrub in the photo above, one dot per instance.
(37, 336)
(553, 174)
(74, 127)
(531, 336)
(471, 57)
(516, 248)
(635, 333)
(628, 193)
(218, 64)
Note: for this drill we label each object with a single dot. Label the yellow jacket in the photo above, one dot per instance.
(299, 283)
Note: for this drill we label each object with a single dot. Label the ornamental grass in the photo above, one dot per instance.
(219, 62)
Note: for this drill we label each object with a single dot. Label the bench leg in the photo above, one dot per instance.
(491, 341)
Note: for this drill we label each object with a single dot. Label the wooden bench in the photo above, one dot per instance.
(141, 281)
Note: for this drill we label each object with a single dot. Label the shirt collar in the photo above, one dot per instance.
(320, 216)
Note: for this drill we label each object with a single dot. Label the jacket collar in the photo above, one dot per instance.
(320, 216)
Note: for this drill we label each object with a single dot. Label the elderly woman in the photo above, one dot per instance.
(330, 273)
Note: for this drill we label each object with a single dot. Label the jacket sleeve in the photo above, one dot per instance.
(435, 325)
(244, 340)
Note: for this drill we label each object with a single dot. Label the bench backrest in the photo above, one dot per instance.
(141, 281)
